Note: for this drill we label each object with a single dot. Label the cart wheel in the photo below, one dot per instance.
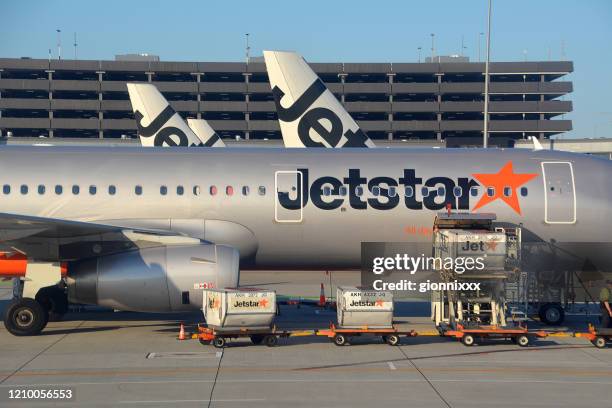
(270, 340)
(339, 339)
(204, 342)
(393, 340)
(219, 342)
(522, 340)
(468, 340)
(600, 342)
(257, 338)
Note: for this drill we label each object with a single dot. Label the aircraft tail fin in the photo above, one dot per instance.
(158, 123)
(205, 133)
(308, 113)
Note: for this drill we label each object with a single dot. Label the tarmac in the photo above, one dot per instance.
(132, 359)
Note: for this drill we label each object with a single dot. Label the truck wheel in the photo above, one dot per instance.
(393, 339)
(522, 340)
(339, 339)
(219, 342)
(257, 338)
(25, 317)
(552, 313)
(600, 342)
(270, 340)
(468, 340)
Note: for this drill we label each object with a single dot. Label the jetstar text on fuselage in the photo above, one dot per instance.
(386, 200)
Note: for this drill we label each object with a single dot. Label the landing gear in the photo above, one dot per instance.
(551, 313)
(25, 317)
(55, 301)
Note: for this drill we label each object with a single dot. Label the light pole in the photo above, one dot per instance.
(59, 44)
(433, 48)
(419, 48)
(485, 135)
(248, 49)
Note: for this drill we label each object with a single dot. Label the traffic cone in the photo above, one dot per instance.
(181, 335)
(322, 296)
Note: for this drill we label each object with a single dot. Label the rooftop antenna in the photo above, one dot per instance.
(248, 49)
(463, 47)
(419, 49)
(485, 133)
(433, 48)
(59, 44)
(75, 46)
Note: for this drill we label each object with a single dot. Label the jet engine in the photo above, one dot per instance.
(159, 279)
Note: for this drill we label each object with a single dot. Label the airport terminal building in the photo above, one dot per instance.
(440, 100)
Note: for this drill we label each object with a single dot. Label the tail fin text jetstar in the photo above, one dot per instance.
(205, 133)
(308, 113)
(158, 123)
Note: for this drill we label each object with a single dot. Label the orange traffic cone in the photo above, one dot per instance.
(322, 296)
(182, 332)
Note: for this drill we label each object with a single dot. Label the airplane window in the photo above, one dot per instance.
(138, 190)
(213, 190)
(524, 191)
(163, 190)
(112, 190)
(392, 191)
(262, 190)
(507, 191)
(93, 190)
(359, 191)
(229, 190)
(424, 191)
(245, 190)
(179, 190)
(490, 191)
(408, 191)
(58, 189)
(41, 189)
(327, 191)
(196, 190)
(441, 191)
(474, 191)
(6, 189)
(75, 189)
(24, 189)
(343, 191)
(375, 191)
(457, 191)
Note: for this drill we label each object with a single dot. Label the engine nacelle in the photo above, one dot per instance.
(161, 279)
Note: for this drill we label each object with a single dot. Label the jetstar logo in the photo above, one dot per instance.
(325, 192)
(167, 135)
(367, 303)
(251, 303)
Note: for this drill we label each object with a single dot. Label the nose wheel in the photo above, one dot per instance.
(25, 317)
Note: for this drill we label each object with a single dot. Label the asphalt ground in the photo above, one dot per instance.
(131, 359)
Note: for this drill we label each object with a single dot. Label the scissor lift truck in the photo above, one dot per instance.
(465, 235)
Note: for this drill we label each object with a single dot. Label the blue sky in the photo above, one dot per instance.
(345, 31)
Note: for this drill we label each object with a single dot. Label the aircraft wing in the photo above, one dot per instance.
(53, 239)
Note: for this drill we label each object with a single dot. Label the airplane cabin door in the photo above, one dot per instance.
(288, 197)
(559, 193)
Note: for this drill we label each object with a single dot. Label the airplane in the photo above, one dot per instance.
(160, 125)
(304, 103)
(147, 229)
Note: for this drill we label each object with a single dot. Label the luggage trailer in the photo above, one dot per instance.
(218, 337)
(598, 336)
(519, 335)
(342, 336)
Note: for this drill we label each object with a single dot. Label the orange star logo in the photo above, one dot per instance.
(379, 303)
(505, 178)
(491, 245)
(263, 302)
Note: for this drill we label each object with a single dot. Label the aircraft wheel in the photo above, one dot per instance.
(522, 340)
(339, 339)
(219, 342)
(468, 340)
(25, 317)
(270, 340)
(600, 342)
(552, 313)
